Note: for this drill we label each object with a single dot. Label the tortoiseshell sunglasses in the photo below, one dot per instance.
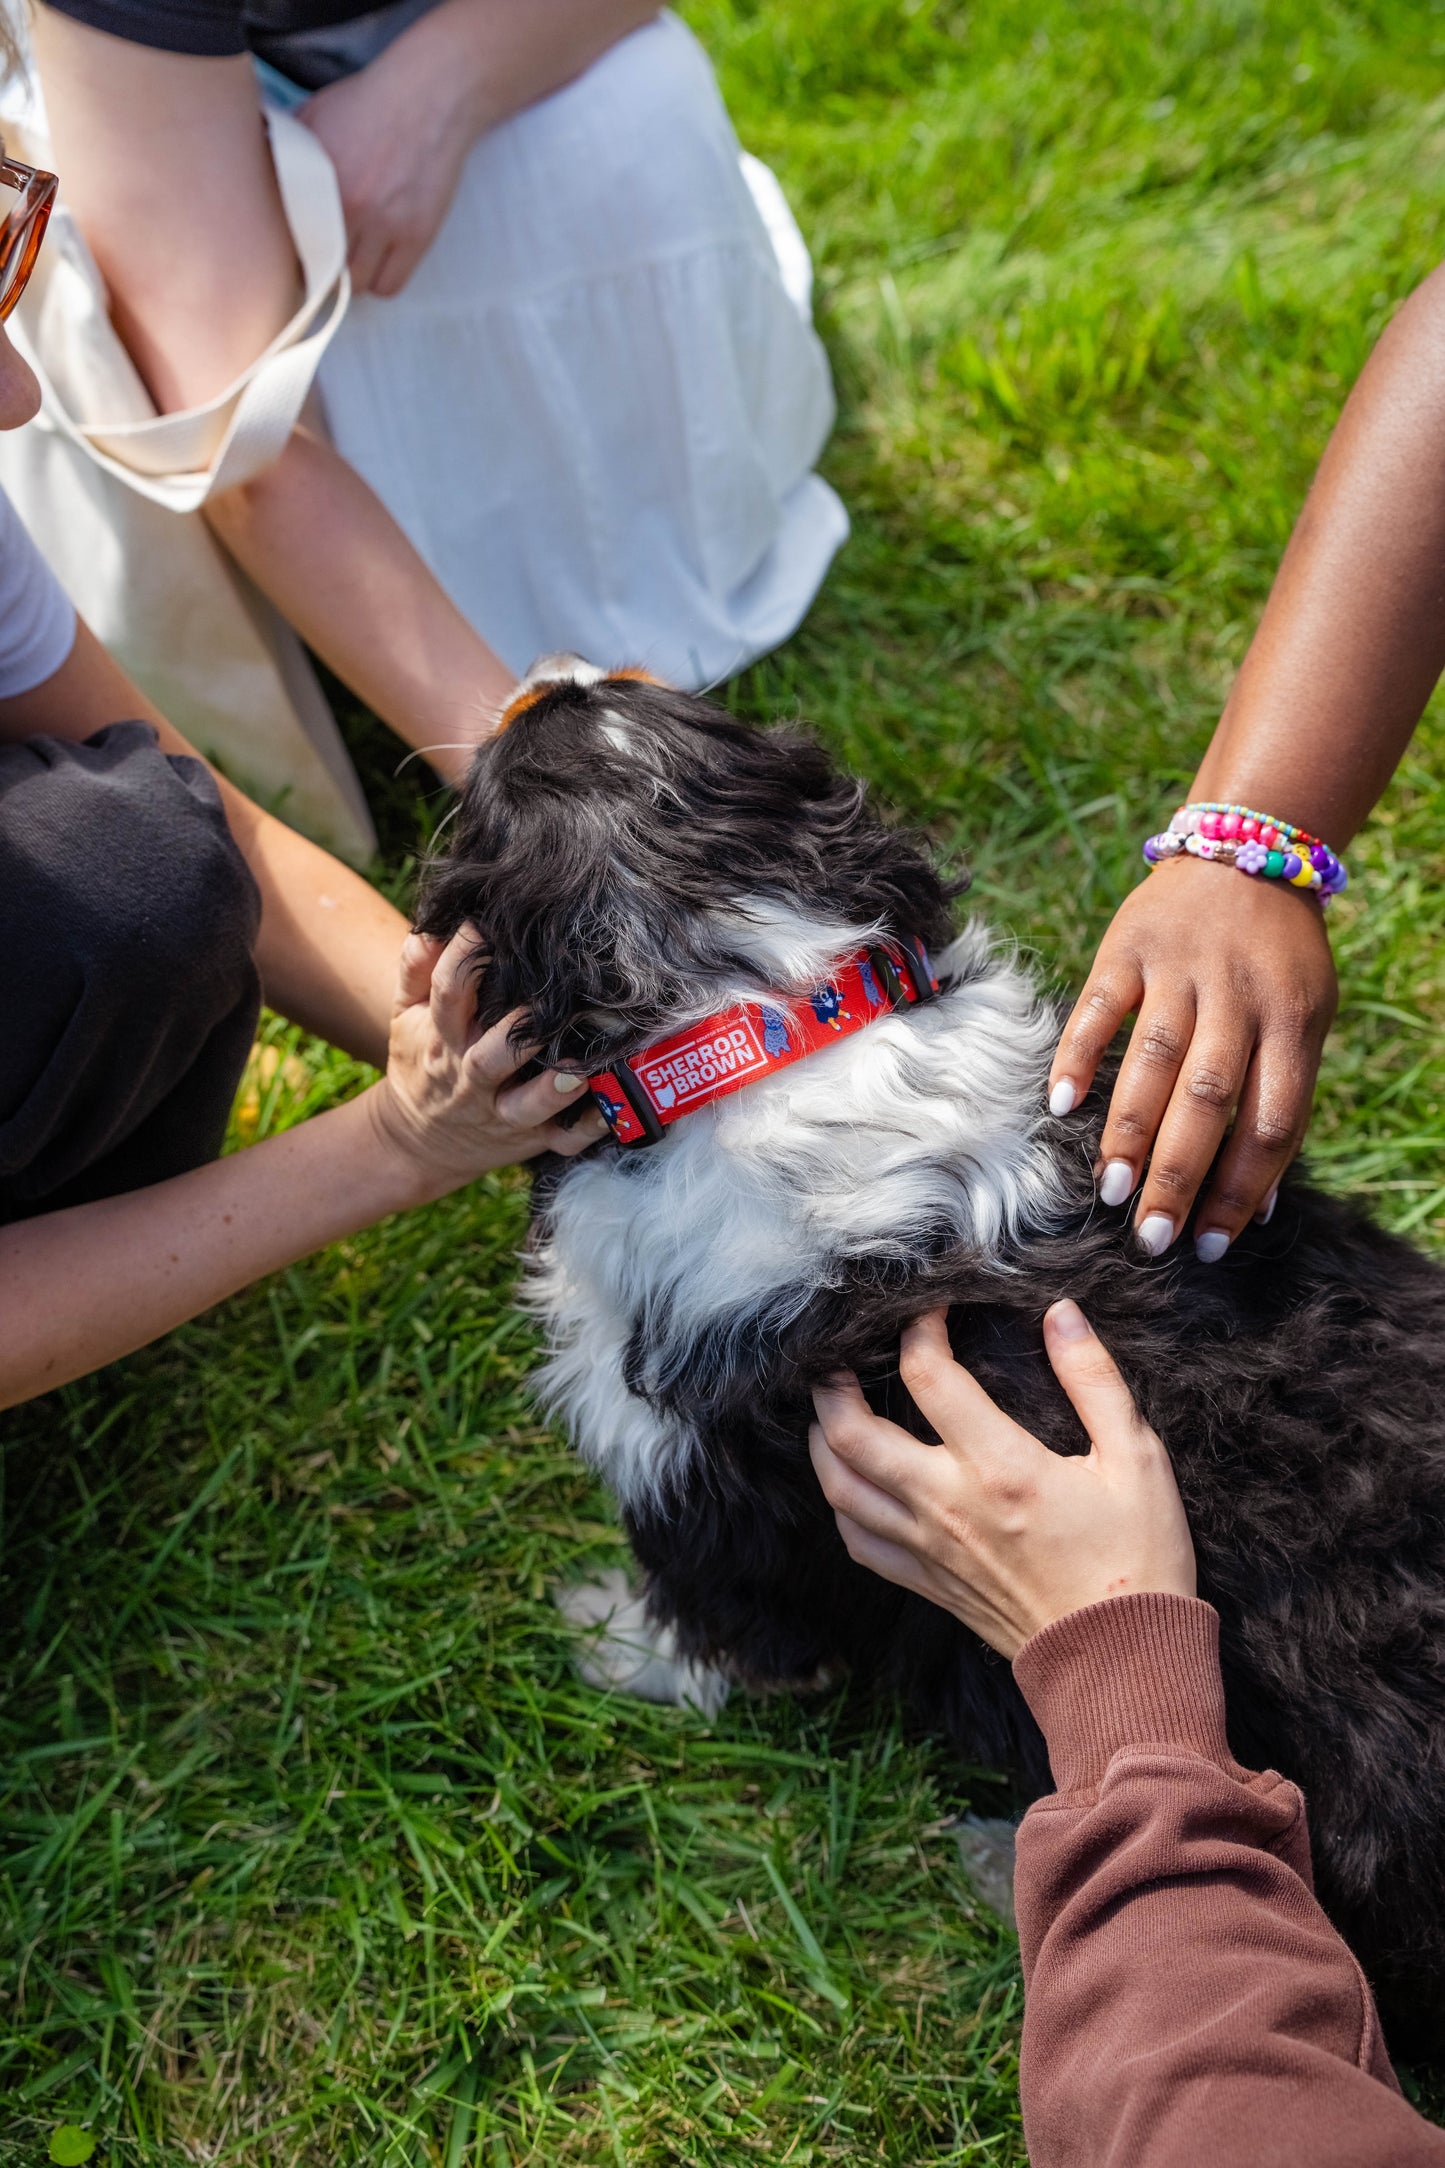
(26, 197)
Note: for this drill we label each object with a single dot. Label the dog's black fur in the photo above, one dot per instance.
(1300, 1384)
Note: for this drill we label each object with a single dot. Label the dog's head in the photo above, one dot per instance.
(635, 858)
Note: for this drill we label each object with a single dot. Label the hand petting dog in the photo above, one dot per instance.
(991, 1525)
(450, 1106)
(1234, 988)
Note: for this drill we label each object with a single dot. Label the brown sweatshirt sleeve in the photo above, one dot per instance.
(1186, 2000)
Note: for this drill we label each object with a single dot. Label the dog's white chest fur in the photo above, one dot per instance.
(924, 1127)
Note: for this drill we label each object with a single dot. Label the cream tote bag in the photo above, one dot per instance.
(112, 491)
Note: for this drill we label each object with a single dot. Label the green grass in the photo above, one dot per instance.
(314, 1849)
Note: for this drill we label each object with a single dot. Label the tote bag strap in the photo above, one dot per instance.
(180, 460)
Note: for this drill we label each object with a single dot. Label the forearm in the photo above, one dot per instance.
(1186, 1997)
(1353, 637)
(82, 1287)
(316, 539)
(328, 943)
(1231, 981)
(501, 58)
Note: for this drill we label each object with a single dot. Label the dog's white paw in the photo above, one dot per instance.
(986, 1848)
(620, 1647)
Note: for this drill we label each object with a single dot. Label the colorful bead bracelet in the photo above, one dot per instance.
(1255, 843)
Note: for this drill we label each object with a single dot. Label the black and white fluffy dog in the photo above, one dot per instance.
(636, 860)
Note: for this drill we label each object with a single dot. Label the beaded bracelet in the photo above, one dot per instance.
(1255, 843)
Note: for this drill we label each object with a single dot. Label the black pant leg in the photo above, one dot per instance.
(128, 985)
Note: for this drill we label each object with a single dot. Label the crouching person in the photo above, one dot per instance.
(1186, 1999)
(146, 908)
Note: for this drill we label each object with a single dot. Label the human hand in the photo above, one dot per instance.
(398, 133)
(1235, 990)
(991, 1525)
(447, 1109)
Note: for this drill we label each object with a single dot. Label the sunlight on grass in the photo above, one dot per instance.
(315, 1850)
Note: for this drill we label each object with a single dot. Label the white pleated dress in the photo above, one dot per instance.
(596, 406)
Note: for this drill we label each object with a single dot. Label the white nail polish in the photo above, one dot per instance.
(1116, 1183)
(1265, 1213)
(564, 1083)
(1063, 1098)
(1155, 1234)
(1211, 1247)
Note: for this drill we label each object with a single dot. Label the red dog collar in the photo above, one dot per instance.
(642, 1097)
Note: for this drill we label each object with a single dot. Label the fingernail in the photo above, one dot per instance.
(1265, 1213)
(1116, 1183)
(1211, 1247)
(596, 1123)
(564, 1083)
(1063, 1098)
(1155, 1234)
(1067, 1321)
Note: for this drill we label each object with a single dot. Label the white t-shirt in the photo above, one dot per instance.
(37, 617)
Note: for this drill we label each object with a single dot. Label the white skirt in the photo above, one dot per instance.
(596, 406)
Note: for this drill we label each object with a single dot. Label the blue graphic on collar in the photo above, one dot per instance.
(610, 1108)
(870, 984)
(775, 1032)
(826, 1003)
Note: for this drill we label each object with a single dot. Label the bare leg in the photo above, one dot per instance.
(164, 161)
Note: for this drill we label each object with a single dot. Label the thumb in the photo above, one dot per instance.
(1089, 1375)
(418, 960)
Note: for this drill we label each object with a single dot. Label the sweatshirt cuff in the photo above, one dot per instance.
(1130, 1672)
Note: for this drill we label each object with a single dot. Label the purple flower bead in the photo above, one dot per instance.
(1251, 857)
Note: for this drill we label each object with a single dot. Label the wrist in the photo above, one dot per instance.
(1263, 846)
(1220, 887)
(404, 1173)
(1133, 1671)
(450, 51)
(1310, 794)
